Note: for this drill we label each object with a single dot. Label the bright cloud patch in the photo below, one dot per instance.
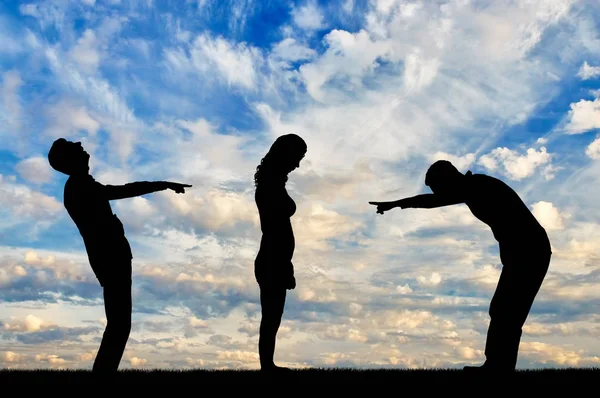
(588, 72)
(515, 165)
(308, 16)
(584, 116)
(548, 215)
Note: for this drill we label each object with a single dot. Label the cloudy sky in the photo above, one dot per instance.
(196, 92)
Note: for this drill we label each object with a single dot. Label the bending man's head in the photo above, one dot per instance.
(443, 177)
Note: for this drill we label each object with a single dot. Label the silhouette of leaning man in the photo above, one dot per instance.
(525, 250)
(109, 253)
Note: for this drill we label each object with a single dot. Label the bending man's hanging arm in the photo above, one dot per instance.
(139, 188)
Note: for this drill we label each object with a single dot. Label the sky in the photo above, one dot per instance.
(196, 92)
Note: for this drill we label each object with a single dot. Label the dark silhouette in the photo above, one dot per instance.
(109, 253)
(525, 250)
(273, 266)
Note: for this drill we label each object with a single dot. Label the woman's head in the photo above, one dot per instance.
(283, 157)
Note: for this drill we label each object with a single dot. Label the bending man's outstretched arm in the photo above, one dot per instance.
(140, 188)
(424, 201)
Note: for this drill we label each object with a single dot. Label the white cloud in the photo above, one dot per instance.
(89, 2)
(52, 359)
(433, 280)
(351, 55)
(198, 323)
(309, 16)
(576, 250)
(584, 116)
(10, 45)
(548, 215)
(394, 123)
(29, 9)
(355, 309)
(67, 119)
(588, 72)
(520, 29)
(236, 63)
(404, 289)
(417, 321)
(317, 295)
(469, 353)
(110, 110)
(385, 6)
(202, 156)
(348, 6)
(461, 162)
(24, 202)
(87, 356)
(549, 353)
(315, 224)
(593, 149)
(135, 361)
(514, 165)
(12, 357)
(215, 210)
(35, 169)
(195, 362)
(49, 13)
(536, 329)
(123, 141)
(240, 356)
(85, 52)
(19, 270)
(290, 50)
(62, 267)
(11, 83)
(136, 212)
(240, 11)
(30, 323)
(419, 72)
(341, 333)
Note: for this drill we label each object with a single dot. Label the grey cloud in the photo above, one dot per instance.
(53, 334)
(153, 326)
(29, 288)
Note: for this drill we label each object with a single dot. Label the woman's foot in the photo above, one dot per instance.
(274, 368)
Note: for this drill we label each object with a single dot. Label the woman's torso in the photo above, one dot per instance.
(275, 208)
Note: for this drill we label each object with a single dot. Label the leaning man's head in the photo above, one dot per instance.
(68, 157)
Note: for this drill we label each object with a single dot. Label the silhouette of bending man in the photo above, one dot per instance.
(525, 250)
(273, 266)
(109, 253)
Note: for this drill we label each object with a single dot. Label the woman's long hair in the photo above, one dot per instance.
(271, 165)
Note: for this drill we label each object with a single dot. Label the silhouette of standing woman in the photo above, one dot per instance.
(109, 253)
(525, 250)
(273, 266)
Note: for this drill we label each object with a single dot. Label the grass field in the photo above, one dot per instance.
(579, 379)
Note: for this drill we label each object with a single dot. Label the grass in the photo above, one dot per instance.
(575, 378)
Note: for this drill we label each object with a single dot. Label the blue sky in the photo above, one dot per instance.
(196, 91)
